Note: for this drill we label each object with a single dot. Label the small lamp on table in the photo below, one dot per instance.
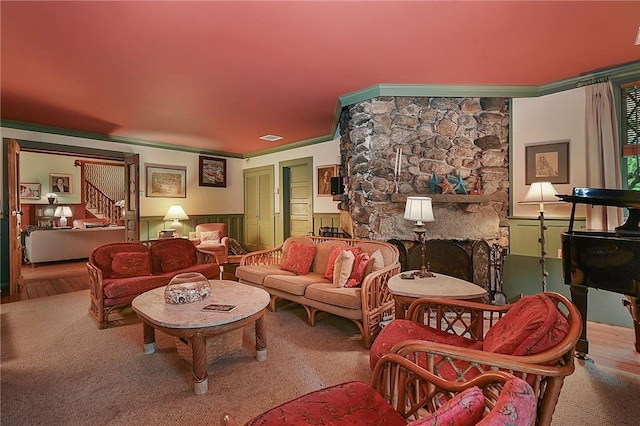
(176, 214)
(63, 212)
(419, 209)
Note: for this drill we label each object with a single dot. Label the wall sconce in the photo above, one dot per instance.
(176, 214)
(419, 210)
(540, 193)
(63, 212)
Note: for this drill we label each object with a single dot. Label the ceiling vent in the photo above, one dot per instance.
(270, 138)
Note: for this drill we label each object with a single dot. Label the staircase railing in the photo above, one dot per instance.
(98, 200)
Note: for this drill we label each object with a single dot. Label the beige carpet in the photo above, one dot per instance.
(57, 368)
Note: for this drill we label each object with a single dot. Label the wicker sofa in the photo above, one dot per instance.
(119, 272)
(365, 305)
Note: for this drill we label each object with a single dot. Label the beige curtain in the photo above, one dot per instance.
(602, 152)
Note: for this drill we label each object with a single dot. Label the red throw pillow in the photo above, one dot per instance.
(130, 264)
(464, 409)
(299, 258)
(357, 273)
(176, 262)
(333, 255)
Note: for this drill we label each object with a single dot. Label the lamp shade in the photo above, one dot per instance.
(540, 193)
(63, 211)
(419, 210)
(176, 213)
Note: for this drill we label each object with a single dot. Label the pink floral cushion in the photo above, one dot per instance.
(464, 409)
(359, 268)
(102, 257)
(516, 405)
(171, 255)
(333, 256)
(351, 403)
(401, 329)
(299, 258)
(130, 264)
(533, 325)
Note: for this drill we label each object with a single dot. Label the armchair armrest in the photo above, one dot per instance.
(263, 257)
(203, 256)
(377, 302)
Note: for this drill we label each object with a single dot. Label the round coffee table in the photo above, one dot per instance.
(191, 322)
(441, 286)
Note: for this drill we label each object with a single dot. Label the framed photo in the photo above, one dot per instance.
(324, 175)
(212, 172)
(547, 162)
(61, 183)
(30, 191)
(166, 181)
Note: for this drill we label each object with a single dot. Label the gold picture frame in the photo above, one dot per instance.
(323, 176)
(164, 181)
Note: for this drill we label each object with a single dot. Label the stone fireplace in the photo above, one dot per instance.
(464, 141)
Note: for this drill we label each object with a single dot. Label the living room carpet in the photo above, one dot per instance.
(58, 368)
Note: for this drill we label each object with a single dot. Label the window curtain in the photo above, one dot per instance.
(602, 153)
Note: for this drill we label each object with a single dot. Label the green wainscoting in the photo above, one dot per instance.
(524, 234)
(523, 275)
(151, 225)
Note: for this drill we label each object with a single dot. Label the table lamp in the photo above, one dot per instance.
(419, 209)
(63, 212)
(540, 193)
(176, 214)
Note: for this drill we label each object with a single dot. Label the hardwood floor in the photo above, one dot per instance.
(609, 346)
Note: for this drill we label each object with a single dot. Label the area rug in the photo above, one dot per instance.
(58, 368)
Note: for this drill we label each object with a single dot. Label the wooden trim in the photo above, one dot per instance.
(630, 150)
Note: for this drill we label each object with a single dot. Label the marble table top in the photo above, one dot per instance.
(441, 286)
(250, 300)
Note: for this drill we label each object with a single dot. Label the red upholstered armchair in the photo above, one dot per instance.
(533, 339)
(213, 238)
(402, 393)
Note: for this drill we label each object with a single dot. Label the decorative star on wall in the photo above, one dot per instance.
(447, 186)
(432, 184)
(459, 184)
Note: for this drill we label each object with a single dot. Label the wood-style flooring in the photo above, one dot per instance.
(609, 345)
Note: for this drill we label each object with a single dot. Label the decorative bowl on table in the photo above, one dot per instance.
(187, 288)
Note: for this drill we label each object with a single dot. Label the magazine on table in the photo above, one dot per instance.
(218, 307)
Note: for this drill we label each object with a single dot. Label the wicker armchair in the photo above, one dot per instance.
(403, 393)
(456, 352)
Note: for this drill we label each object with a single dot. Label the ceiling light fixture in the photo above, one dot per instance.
(270, 138)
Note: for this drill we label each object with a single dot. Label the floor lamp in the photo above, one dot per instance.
(419, 209)
(540, 193)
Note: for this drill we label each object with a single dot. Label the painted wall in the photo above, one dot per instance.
(323, 154)
(37, 167)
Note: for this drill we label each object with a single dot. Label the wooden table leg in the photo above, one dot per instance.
(149, 338)
(400, 309)
(199, 361)
(261, 338)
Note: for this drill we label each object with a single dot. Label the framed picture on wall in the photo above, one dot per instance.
(212, 172)
(30, 191)
(547, 162)
(61, 183)
(324, 175)
(166, 181)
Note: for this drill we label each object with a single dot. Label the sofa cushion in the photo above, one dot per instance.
(255, 274)
(130, 264)
(299, 258)
(102, 258)
(376, 263)
(131, 286)
(294, 284)
(342, 268)
(172, 254)
(335, 251)
(357, 273)
(349, 298)
(210, 271)
(210, 238)
(351, 403)
(533, 325)
(464, 409)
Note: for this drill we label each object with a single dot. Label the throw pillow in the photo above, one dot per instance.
(464, 409)
(175, 262)
(210, 237)
(299, 258)
(359, 267)
(333, 255)
(376, 263)
(235, 247)
(130, 264)
(342, 268)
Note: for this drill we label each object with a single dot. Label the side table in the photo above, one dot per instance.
(441, 286)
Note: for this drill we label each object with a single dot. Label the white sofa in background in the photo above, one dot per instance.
(66, 244)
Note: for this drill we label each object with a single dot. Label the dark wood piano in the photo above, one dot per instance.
(604, 260)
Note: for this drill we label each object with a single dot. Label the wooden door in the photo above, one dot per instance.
(258, 208)
(15, 217)
(132, 197)
(300, 194)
